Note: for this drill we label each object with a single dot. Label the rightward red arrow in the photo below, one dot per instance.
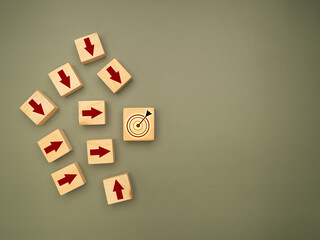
(68, 178)
(115, 76)
(37, 108)
(91, 113)
(89, 47)
(99, 151)
(54, 146)
(118, 189)
(65, 80)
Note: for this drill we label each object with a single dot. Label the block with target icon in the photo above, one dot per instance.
(55, 145)
(92, 112)
(114, 75)
(118, 188)
(65, 79)
(39, 108)
(138, 124)
(68, 178)
(100, 151)
(89, 48)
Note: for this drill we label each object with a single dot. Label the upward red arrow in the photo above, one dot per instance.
(100, 151)
(93, 112)
(89, 47)
(118, 189)
(68, 178)
(115, 76)
(37, 108)
(65, 80)
(54, 146)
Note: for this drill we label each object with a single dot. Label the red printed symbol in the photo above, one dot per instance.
(68, 178)
(115, 76)
(65, 80)
(118, 189)
(92, 112)
(89, 47)
(37, 108)
(100, 151)
(54, 146)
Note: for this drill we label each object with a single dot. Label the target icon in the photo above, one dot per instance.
(138, 125)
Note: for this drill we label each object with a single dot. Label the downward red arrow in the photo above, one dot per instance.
(37, 108)
(68, 178)
(65, 80)
(100, 151)
(118, 189)
(115, 76)
(54, 146)
(89, 47)
(93, 112)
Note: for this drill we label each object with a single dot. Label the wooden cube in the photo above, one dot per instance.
(54, 145)
(100, 151)
(39, 108)
(138, 124)
(92, 112)
(118, 188)
(65, 79)
(114, 76)
(89, 48)
(68, 178)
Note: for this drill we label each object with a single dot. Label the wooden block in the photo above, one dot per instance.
(54, 145)
(114, 76)
(39, 108)
(138, 124)
(89, 48)
(100, 151)
(65, 79)
(68, 178)
(92, 112)
(118, 188)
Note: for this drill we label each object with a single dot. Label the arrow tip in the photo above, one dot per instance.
(95, 112)
(38, 109)
(117, 186)
(148, 113)
(70, 177)
(56, 145)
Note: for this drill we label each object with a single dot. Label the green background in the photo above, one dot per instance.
(236, 88)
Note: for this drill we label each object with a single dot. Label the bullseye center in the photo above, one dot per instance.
(138, 125)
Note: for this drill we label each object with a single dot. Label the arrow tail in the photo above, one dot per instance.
(119, 195)
(94, 152)
(86, 113)
(48, 149)
(62, 74)
(62, 181)
(33, 103)
(87, 42)
(111, 71)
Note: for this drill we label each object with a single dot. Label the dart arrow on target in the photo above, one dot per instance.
(100, 151)
(118, 189)
(91, 113)
(147, 114)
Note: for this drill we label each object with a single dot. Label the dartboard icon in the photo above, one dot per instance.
(138, 125)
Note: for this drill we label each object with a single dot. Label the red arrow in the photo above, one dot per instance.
(89, 47)
(68, 178)
(65, 80)
(93, 112)
(37, 108)
(115, 76)
(54, 146)
(118, 189)
(100, 151)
